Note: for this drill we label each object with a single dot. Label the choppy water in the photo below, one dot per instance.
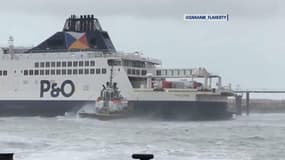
(260, 136)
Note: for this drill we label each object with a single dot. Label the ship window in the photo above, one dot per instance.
(36, 72)
(36, 64)
(137, 72)
(42, 72)
(58, 64)
(80, 63)
(1, 73)
(31, 72)
(63, 64)
(5, 51)
(42, 64)
(69, 64)
(52, 64)
(143, 72)
(80, 71)
(75, 64)
(58, 72)
(125, 63)
(63, 72)
(98, 71)
(158, 72)
(92, 63)
(87, 63)
(129, 71)
(47, 64)
(52, 72)
(4, 73)
(25, 72)
(92, 71)
(104, 71)
(75, 71)
(114, 62)
(133, 71)
(47, 72)
(86, 71)
(69, 72)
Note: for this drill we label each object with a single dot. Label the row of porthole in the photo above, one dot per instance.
(3, 73)
(64, 64)
(136, 72)
(42, 72)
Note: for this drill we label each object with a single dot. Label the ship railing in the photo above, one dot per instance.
(129, 56)
(166, 73)
(166, 90)
(68, 50)
(97, 53)
(180, 90)
(139, 56)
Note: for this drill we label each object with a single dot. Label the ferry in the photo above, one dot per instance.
(66, 72)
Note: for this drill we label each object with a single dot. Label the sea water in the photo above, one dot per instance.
(258, 136)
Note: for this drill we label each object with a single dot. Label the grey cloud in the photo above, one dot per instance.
(146, 8)
(245, 52)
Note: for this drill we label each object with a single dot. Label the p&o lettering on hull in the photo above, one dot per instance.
(56, 90)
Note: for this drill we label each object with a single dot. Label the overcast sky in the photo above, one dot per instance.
(248, 50)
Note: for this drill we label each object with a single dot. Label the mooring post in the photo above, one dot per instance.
(247, 103)
(238, 104)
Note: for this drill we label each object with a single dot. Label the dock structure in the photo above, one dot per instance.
(238, 103)
(238, 98)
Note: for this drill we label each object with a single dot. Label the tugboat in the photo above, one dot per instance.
(110, 104)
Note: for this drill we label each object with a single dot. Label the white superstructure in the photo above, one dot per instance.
(23, 76)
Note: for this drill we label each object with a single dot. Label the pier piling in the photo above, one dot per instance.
(247, 103)
(238, 99)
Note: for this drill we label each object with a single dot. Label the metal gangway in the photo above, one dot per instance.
(182, 73)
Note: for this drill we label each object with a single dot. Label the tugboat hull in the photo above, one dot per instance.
(103, 117)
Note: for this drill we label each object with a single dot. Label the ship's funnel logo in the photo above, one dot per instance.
(76, 40)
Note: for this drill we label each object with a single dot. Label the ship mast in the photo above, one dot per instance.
(11, 47)
(111, 76)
